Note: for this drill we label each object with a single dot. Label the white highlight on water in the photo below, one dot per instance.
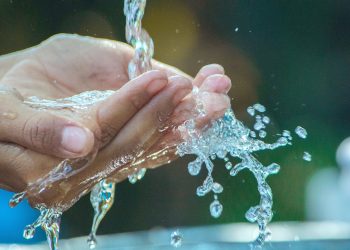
(176, 239)
(307, 156)
(301, 132)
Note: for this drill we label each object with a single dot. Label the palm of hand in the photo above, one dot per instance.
(87, 65)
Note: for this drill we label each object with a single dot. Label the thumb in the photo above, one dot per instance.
(42, 131)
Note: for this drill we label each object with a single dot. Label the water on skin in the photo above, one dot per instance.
(227, 137)
(8, 115)
(141, 62)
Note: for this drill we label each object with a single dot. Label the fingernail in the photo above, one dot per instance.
(180, 95)
(217, 83)
(156, 85)
(212, 69)
(74, 139)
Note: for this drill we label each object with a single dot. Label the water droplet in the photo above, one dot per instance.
(262, 133)
(251, 111)
(286, 133)
(92, 241)
(228, 165)
(259, 107)
(307, 156)
(28, 232)
(216, 209)
(176, 239)
(236, 29)
(252, 134)
(194, 167)
(273, 168)
(259, 125)
(301, 132)
(8, 115)
(16, 199)
(133, 178)
(266, 120)
(238, 167)
(217, 188)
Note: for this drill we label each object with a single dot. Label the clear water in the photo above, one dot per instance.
(307, 156)
(176, 239)
(225, 139)
(102, 198)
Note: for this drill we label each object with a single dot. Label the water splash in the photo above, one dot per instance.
(176, 239)
(228, 137)
(102, 198)
(307, 156)
(301, 132)
(141, 62)
(49, 220)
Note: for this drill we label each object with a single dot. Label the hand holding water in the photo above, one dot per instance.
(130, 118)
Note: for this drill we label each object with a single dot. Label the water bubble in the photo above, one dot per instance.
(301, 132)
(251, 111)
(216, 209)
(259, 107)
(176, 239)
(307, 156)
(236, 29)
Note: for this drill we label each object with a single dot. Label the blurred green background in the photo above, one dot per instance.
(291, 56)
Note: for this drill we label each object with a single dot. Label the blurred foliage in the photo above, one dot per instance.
(291, 56)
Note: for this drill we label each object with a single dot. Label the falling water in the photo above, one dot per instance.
(141, 62)
(225, 139)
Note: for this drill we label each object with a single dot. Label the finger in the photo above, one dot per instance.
(42, 131)
(142, 130)
(169, 70)
(216, 83)
(115, 112)
(20, 166)
(206, 71)
(215, 106)
(147, 125)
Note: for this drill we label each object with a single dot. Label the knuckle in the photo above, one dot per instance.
(40, 132)
(136, 101)
(108, 132)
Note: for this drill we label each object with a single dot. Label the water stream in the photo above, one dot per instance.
(227, 138)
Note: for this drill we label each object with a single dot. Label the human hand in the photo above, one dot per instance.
(44, 163)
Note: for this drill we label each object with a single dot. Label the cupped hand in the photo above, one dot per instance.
(62, 66)
(135, 131)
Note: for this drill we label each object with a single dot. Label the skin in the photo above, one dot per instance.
(125, 132)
